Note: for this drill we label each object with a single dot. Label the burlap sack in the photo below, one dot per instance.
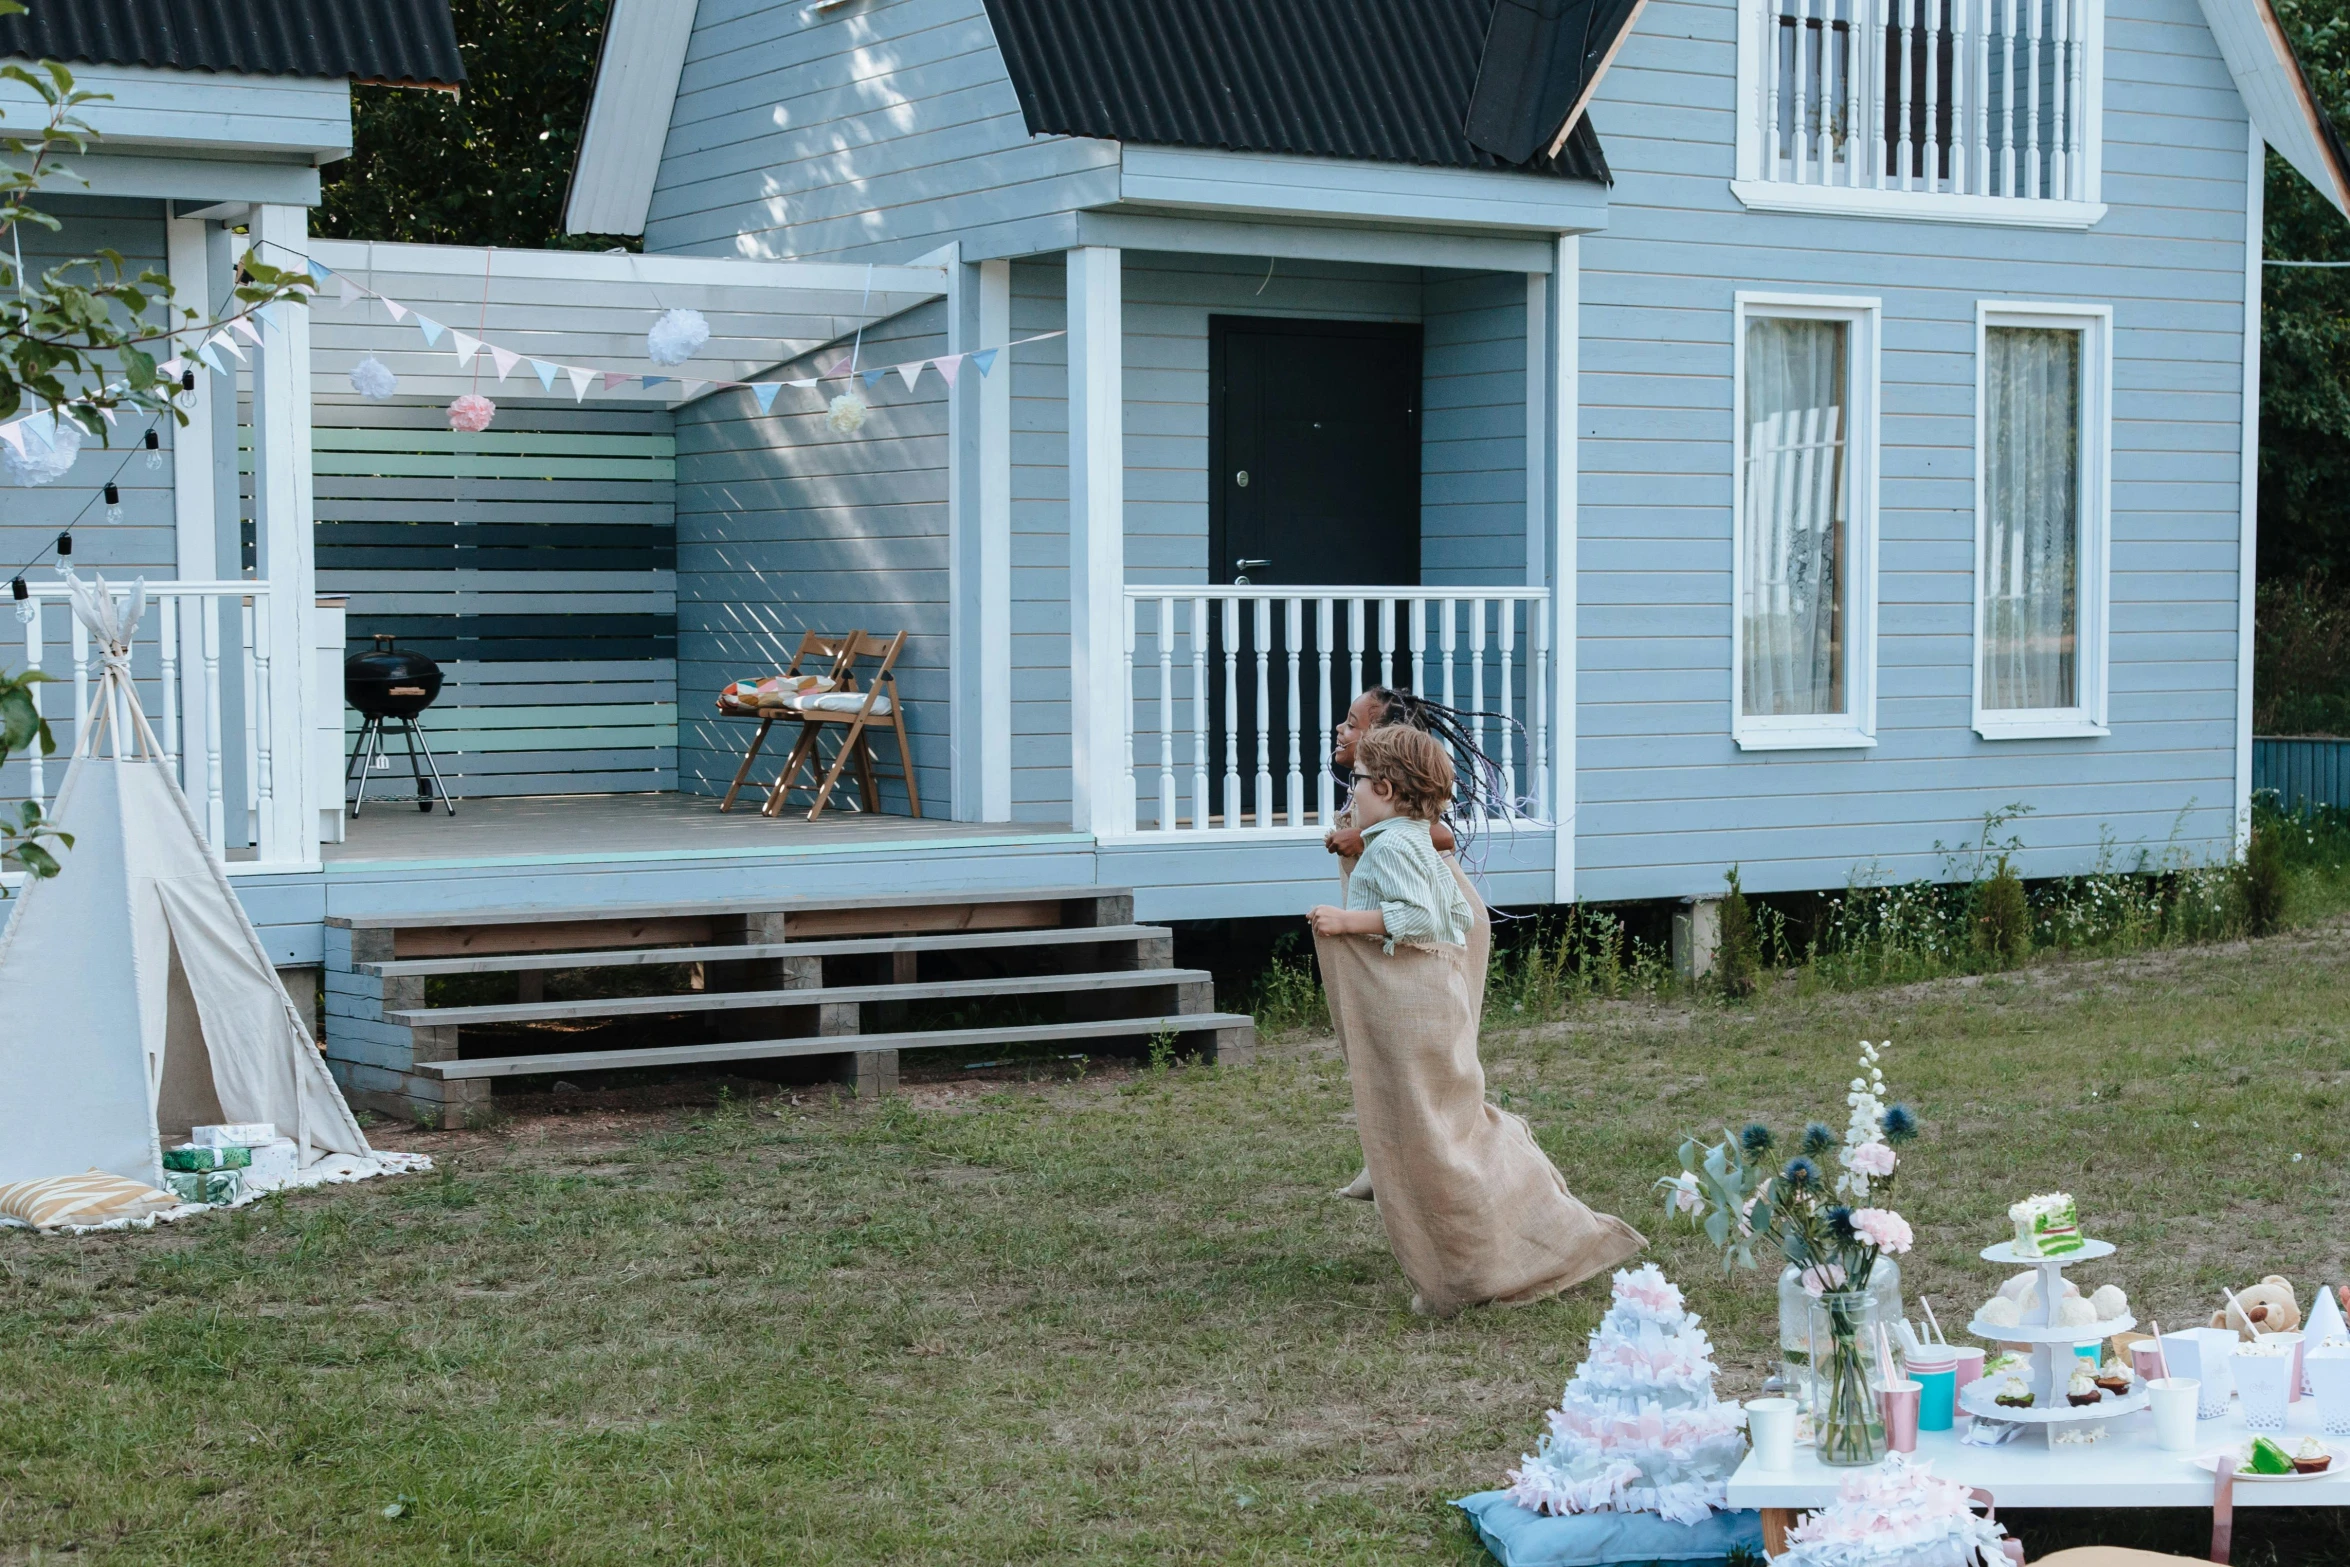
(1473, 1208)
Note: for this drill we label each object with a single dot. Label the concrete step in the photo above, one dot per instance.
(967, 941)
(1233, 1034)
(808, 996)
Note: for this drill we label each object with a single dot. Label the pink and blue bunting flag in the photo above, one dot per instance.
(211, 360)
(42, 428)
(652, 381)
(347, 289)
(545, 372)
(947, 367)
(244, 324)
(430, 328)
(506, 359)
(398, 310)
(13, 433)
(873, 377)
(223, 340)
(319, 270)
(579, 381)
(910, 373)
(464, 348)
(269, 314)
(763, 393)
(984, 360)
(613, 378)
(846, 363)
(172, 367)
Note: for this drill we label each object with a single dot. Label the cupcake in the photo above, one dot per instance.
(2081, 1390)
(2012, 1393)
(2311, 1458)
(2114, 1376)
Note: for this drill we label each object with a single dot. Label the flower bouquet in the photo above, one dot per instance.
(1832, 1228)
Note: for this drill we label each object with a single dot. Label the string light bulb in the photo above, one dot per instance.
(113, 494)
(26, 609)
(154, 445)
(187, 392)
(65, 545)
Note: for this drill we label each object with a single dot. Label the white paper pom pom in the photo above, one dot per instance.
(848, 413)
(37, 465)
(677, 336)
(372, 379)
(1999, 1312)
(2109, 1302)
(2074, 1312)
(471, 412)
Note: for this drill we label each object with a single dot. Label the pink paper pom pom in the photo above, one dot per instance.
(471, 412)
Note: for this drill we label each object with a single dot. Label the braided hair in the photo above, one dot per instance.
(1479, 794)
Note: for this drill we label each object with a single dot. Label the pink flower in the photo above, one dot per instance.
(1875, 1160)
(471, 412)
(1821, 1277)
(1686, 1196)
(1883, 1228)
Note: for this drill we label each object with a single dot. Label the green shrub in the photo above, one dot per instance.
(2003, 916)
(2265, 881)
(1739, 962)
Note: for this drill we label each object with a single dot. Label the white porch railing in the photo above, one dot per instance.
(1949, 97)
(191, 630)
(1232, 692)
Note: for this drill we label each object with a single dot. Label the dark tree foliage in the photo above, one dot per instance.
(488, 166)
(2305, 335)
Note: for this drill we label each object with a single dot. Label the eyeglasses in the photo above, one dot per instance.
(1359, 777)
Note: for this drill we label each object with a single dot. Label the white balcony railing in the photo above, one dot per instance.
(201, 657)
(1232, 692)
(1948, 98)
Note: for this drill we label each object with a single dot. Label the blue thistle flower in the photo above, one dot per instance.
(1840, 1223)
(1819, 1139)
(1756, 1138)
(1800, 1175)
(1898, 1124)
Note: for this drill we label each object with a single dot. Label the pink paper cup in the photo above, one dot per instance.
(1898, 1402)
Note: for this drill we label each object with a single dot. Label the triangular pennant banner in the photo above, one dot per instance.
(223, 340)
(873, 377)
(172, 367)
(42, 427)
(13, 433)
(947, 368)
(319, 270)
(269, 314)
(211, 360)
(108, 412)
(429, 327)
(763, 393)
(810, 381)
(910, 373)
(464, 348)
(984, 360)
(348, 289)
(579, 381)
(652, 381)
(244, 326)
(505, 358)
(613, 378)
(398, 310)
(691, 388)
(845, 364)
(544, 371)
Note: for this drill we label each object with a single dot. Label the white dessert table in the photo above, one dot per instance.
(2126, 1469)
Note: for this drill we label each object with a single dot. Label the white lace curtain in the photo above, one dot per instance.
(1791, 623)
(2032, 532)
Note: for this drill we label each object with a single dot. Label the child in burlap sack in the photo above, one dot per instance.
(1473, 1209)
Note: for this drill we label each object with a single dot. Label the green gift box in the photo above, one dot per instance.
(188, 1156)
(205, 1186)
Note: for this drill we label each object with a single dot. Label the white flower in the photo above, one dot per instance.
(372, 379)
(848, 413)
(1686, 1196)
(676, 336)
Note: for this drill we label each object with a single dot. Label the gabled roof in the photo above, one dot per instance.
(405, 42)
(2277, 93)
(1389, 81)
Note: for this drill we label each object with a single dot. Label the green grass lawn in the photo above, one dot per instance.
(1113, 1318)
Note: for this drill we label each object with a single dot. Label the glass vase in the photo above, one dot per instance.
(1845, 1419)
(1795, 1331)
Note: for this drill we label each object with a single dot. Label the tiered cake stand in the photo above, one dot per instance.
(2053, 1360)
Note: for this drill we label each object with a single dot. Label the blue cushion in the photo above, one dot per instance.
(1518, 1538)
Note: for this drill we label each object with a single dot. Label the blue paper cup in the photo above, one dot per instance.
(1937, 1397)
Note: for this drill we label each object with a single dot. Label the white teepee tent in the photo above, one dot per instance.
(136, 999)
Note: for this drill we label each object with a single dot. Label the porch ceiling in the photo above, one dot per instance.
(589, 309)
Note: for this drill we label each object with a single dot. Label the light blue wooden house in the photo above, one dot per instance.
(1797, 427)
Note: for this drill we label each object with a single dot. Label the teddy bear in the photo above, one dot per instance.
(2270, 1305)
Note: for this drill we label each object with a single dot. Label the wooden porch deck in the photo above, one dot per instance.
(564, 825)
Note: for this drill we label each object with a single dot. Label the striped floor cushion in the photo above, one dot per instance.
(93, 1197)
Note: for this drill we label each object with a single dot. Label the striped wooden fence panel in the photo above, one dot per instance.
(2303, 772)
(537, 561)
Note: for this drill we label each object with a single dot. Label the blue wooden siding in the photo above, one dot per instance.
(1667, 802)
(536, 561)
(784, 526)
(1040, 545)
(887, 128)
(2303, 772)
(1473, 430)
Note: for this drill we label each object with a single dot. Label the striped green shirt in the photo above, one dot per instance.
(1402, 876)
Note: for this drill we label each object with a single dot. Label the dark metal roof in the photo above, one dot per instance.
(1543, 58)
(1385, 80)
(412, 42)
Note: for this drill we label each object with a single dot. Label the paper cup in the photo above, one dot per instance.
(2146, 1359)
(2202, 1355)
(2329, 1381)
(2173, 1400)
(2293, 1387)
(1770, 1426)
(1937, 1396)
(1970, 1362)
(1898, 1402)
(2264, 1383)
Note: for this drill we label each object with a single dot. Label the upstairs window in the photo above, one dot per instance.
(1969, 110)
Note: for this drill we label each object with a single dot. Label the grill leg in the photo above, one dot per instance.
(416, 735)
(370, 743)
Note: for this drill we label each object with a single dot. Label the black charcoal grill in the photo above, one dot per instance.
(390, 687)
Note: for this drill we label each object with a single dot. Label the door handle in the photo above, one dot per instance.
(1244, 566)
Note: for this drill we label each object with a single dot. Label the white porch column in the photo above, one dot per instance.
(1561, 465)
(979, 573)
(1099, 800)
(196, 524)
(2248, 485)
(286, 558)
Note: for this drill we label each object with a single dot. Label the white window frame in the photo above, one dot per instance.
(2086, 719)
(1857, 726)
(1754, 191)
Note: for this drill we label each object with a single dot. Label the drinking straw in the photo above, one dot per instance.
(2241, 1312)
(2161, 1355)
(1885, 1353)
(1930, 1322)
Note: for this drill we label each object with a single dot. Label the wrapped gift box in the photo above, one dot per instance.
(195, 1156)
(205, 1186)
(237, 1134)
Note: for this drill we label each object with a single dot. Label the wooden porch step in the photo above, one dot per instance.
(805, 996)
(540, 914)
(622, 957)
(1232, 1031)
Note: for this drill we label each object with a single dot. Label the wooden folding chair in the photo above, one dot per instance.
(854, 712)
(818, 646)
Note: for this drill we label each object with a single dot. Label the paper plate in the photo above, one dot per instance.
(2212, 1461)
